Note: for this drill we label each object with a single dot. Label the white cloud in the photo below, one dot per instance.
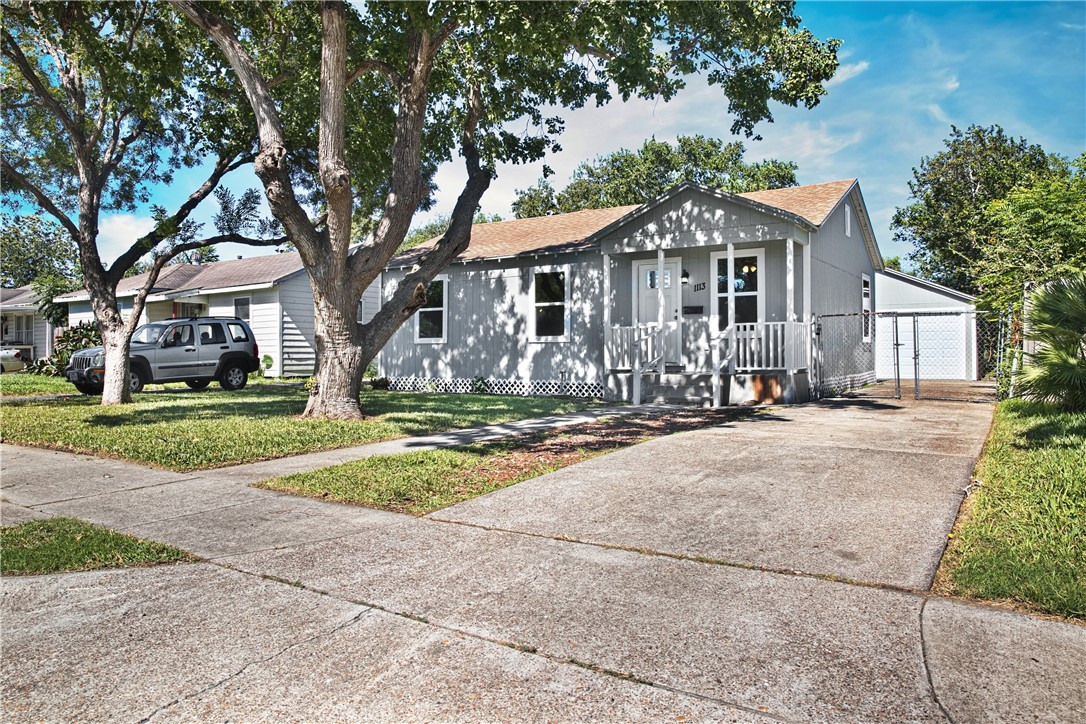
(952, 84)
(812, 146)
(116, 233)
(1073, 26)
(847, 72)
(937, 113)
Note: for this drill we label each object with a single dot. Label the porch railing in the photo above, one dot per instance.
(758, 346)
(640, 349)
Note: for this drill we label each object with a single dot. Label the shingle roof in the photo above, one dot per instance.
(17, 296)
(216, 275)
(813, 202)
(560, 232)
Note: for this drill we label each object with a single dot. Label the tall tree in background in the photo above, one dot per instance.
(1038, 234)
(409, 84)
(98, 103)
(32, 247)
(633, 177)
(946, 221)
(437, 227)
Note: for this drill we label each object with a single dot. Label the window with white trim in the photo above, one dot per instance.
(242, 306)
(550, 304)
(745, 278)
(848, 220)
(865, 307)
(431, 320)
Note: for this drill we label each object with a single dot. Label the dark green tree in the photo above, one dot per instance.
(946, 220)
(633, 177)
(437, 227)
(33, 247)
(1038, 234)
(1056, 318)
(390, 90)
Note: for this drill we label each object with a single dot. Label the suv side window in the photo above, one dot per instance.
(179, 336)
(211, 333)
(237, 332)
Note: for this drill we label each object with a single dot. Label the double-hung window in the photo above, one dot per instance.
(865, 307)
(550, 304)
(431, 320)
(242, 307)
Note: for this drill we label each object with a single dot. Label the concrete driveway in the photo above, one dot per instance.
(764, 571)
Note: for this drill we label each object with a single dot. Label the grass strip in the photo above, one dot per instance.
(200, 430)
(421, 482)
(57, 545)
(1022, 536)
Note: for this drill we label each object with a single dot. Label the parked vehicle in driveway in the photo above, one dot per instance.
(11, 360)
(195, 351)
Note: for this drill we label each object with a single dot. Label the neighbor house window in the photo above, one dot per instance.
(550, 304)
(431, 320)
(848, 220)
(241, 308)
(865, 307)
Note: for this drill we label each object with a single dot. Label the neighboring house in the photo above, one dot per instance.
(271, 292)
(942, 320)
(649, 301)
(23, 326)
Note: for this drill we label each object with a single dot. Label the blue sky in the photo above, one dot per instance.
(908, 71)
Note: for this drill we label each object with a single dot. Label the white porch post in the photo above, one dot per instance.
(606, 314)
(731, 306)
(808, 315)
(790, 301)
(660, 287)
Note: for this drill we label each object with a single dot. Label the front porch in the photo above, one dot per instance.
(709, 325)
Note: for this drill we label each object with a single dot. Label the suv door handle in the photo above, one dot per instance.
(190, 349)
(225, 346)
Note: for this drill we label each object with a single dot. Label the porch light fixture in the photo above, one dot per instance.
(750, 268)
(685, 276)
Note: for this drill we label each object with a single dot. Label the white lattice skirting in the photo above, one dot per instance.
(846, 383)
(523, 388)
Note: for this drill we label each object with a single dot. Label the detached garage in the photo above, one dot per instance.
(942, 320)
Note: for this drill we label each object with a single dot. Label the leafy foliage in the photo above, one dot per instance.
(1038, 235)
(34, 247)
(633, 177)
(72, 340)
(892, 262)
(1056, 317)
(946, 221)
(48, 287)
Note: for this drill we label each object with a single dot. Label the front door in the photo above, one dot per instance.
(647, 303)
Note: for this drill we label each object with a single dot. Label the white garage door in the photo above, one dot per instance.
(945, 342)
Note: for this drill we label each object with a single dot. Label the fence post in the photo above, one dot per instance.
(717, 396)
(636, 369)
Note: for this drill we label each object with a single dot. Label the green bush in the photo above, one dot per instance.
(1056, 373)
(73, 339)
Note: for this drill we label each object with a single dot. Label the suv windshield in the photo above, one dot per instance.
(148, 333)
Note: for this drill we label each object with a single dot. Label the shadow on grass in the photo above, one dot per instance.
(1048, 426)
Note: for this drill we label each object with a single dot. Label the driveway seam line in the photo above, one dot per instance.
(526, 649)
(927, 666)
(120, 490)
(690, 558)
(294, 644)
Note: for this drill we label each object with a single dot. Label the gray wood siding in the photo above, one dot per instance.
(900, 295)
(263, 318)
(694, 219)
(298, 349)
(487, 332)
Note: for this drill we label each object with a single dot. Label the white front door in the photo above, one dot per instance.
(647, 303)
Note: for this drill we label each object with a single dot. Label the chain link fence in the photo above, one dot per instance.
(959, 355)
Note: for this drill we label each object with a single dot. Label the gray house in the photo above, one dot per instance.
(21, 324)
(699, 295)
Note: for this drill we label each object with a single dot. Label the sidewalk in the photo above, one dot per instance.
(311, 610)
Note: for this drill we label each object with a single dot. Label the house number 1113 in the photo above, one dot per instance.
(699, 286)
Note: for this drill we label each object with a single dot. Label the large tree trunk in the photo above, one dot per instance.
(115, 385)
(339, 356)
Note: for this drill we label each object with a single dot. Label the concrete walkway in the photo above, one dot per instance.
(760, 571)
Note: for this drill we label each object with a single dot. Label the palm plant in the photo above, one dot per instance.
(1056, 372)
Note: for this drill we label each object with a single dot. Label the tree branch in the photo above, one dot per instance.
(14, 53)
(115, 153)
(369, 66)
(44, 201)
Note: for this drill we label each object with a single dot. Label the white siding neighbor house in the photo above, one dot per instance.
(945, 322)
(698, 295)
(22, 326)
(271, 292)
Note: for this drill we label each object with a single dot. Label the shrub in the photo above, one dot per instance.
(381, 383)
(1056, 373)
(73, 339)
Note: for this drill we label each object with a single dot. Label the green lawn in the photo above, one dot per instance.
(22, 384)
(190, 431)
(1023, 538)
(57, 545)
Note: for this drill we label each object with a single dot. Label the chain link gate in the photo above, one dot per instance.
(957, 355)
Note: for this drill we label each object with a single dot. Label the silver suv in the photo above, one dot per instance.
(195, 351)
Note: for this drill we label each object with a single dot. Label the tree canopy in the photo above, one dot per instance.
(438, 226)
(633, 177)
(1038, 234)
(34, 247)
(390, 90)
(946, 220)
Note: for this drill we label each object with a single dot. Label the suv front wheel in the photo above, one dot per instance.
(136, 381)
(233, 376)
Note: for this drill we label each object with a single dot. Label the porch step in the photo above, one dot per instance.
(695, 388)
(683, 401)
